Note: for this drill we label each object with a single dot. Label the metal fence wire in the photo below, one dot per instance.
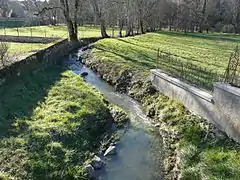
(187, 71)
(232, 74)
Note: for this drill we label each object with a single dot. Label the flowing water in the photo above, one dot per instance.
(139, 155)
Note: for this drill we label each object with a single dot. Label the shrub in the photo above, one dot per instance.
(228, 28)
(218, 27)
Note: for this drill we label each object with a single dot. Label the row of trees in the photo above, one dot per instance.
(139, 16)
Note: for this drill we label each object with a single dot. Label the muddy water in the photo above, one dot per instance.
(139, 154)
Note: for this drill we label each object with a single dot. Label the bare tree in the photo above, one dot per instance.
(98, 6)
(202, 17)
(236, 15)
(71, 21)
(4, 8)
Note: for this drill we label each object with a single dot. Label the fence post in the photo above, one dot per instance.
(31, 31)
(4, 31)
(158, 54)
(182, 71)
(45, 32)
(18, 32)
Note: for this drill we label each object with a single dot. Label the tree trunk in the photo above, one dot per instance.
(120, 25)
(203, 17)
(141, 26)
(236, 29)
(129, 28)
(100, 18)
(120, 32)
(113, 32)
(103, 29)
(72, 26)
(71, 31)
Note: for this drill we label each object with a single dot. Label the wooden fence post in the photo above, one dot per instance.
(18, 32)
(31, 31)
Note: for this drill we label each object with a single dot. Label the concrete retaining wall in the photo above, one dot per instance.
(27, 39)
(43, 58)
(222, 107)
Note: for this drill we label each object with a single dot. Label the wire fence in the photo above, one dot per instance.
(16, 51)
(187, 71)
(232, 74)
(31, 32)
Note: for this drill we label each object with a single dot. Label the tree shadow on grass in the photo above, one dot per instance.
(21, 95)
(186, 71)
(200, 36)
(137, 42)
(140, 63)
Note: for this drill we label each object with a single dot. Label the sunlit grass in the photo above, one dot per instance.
(26, 48)
(199, 54)
(50, 123)
(53, 31)
(204, 152)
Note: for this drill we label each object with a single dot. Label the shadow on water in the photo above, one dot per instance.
(21, 95)
(140, 152)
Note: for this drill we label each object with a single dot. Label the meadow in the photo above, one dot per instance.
(200, 61)
(53, 31)
(23, 50)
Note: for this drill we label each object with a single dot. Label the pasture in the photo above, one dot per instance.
(52, 31)
(198, 59)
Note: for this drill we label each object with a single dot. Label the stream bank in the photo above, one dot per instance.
(139, 151)
(193, 148)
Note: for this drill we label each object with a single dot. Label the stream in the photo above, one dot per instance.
(139, 154)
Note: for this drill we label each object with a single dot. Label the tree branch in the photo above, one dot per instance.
(46, 9)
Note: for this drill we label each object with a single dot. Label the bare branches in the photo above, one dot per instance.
(47, 9)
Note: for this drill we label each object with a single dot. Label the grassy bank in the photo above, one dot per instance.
(50, 123)
(204, 60)
(194, 148)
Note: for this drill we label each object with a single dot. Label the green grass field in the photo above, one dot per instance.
(50, 123)
(53, 31)
(26, 48)
(203, 60)
(210, 35)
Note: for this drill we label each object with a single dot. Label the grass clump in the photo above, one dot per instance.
(51, 122)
